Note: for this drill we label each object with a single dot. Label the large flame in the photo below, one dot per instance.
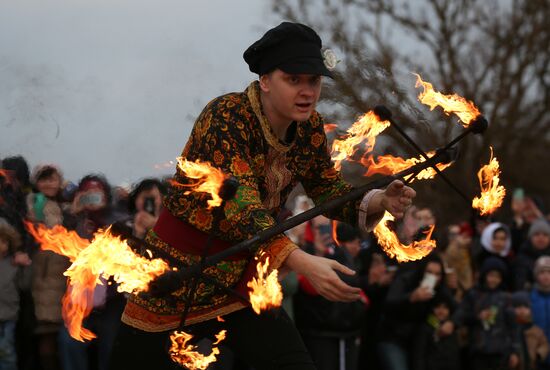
(389, 242)
(389, 165)
(209, 179)
(453, 103)
(265, 291)
(365, 129)
(106, 256)
(492, 194)
(186, 355)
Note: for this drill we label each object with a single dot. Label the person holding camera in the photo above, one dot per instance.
(90, 211)
(144, 205)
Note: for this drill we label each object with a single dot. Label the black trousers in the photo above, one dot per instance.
(266, 342)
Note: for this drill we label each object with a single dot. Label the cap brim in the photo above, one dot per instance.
(309, 66)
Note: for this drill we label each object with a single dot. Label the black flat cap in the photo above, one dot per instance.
(292, 47)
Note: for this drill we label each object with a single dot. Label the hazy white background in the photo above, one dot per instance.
(114, 86)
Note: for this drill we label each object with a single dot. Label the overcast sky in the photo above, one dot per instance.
(114, 86)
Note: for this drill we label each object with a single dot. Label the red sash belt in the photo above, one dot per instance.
(188, 239)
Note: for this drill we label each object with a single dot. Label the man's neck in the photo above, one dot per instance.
(278, 124)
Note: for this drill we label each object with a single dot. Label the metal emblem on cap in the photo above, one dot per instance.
(330, 59)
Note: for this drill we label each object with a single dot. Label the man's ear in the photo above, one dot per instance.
(265, 82)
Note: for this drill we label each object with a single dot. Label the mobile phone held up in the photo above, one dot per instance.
(149, 205)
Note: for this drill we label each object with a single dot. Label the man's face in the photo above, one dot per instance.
(441, 312)
(425, 217)
(49, 186)
(493, 279)
(543, 278)
(499, 241)
(353, 247)
(292, 97)
(540, 240)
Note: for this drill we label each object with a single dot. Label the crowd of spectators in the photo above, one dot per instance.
(481, 300)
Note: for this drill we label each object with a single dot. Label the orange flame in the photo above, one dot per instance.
(266, 292)
(334, 232)
(220, 319)
(366, 128)
(186, 355)
(389, 165)
(106, 256)
(464, 109)
(330, 127)
(6, 174)
(210, 179)
(492, 194)
(392, 246)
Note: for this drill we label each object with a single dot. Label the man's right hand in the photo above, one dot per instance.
(321, 273)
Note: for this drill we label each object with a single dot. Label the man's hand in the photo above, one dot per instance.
(421, 294)
(21, 259)
(321, 274)
(397, 198)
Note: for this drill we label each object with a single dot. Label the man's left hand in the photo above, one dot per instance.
(397, 198)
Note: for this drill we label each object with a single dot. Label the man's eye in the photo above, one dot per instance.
(294, 79)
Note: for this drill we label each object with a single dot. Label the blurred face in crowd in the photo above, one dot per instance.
(540, 240)
(435, 269)
(499, 240)
(289, 97)
(464, 239)
(523, 313)
(4, 246)
(543, 278)
(93, 198)
(153, 193)
(441, 312)
(493, 279)
(50, 185)
(353, 247)
(425, 217)
(453, 232)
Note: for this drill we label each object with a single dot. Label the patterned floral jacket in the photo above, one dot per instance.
(233, 134)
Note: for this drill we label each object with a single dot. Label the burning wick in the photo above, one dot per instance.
(390, 243)
(186, 355)
(266, 292)
(492, 194)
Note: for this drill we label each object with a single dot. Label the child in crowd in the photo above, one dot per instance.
(14, 275)
(490, 322)
(431, 349)
(534, 345)
(496, 242)
(540, 301)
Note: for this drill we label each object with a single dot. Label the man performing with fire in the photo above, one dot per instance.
(270, 138)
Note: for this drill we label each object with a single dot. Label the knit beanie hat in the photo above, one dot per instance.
(539, 226)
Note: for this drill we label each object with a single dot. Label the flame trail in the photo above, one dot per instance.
(266, 292)
(392, 246)
(106, 256)
(186, 355)
(492, 194)
(209, 179)
(464, 109)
